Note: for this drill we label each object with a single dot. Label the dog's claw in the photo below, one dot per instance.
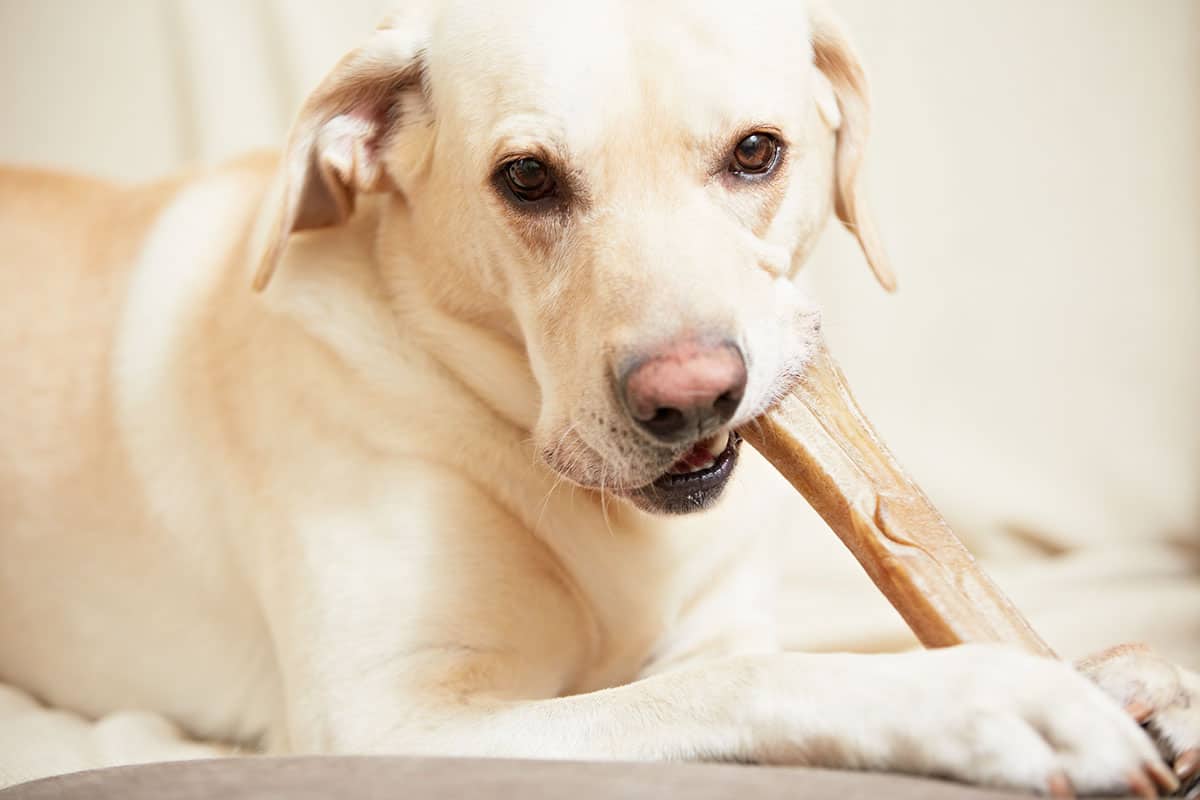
(1060, 786)
(1141, 785)
(1139, 711)
(1163, 777)
(1188, 764)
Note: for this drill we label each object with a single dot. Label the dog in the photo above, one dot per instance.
(413, 439)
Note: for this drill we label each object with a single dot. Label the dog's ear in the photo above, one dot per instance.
(336, 145)
(844, 102)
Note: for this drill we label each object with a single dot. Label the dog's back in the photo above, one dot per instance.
(66, 245)
(75, 520)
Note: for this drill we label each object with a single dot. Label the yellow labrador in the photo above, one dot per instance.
(521, 269)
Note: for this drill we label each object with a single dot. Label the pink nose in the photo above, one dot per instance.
(686, 390)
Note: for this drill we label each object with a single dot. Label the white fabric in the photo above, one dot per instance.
(36, 742)
(1035, 171)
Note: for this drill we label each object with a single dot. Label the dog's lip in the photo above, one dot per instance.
(682, 493)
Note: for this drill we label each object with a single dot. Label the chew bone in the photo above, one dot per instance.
(820, 441)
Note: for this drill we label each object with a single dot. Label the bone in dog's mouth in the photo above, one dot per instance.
(696, 480)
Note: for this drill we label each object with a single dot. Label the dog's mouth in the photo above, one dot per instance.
(696, 480)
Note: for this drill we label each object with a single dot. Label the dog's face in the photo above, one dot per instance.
(635, 183)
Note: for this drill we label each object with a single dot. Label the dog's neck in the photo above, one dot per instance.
(375, 286)
(459, 313)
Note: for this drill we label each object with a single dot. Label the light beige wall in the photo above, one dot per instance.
(1035, 166)
(1037, 172)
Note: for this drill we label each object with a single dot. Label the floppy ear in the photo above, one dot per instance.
(844, 101)
(336, 145)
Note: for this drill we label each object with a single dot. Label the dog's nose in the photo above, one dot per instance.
(686, 390)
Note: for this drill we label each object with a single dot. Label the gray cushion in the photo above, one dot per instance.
(398, 778)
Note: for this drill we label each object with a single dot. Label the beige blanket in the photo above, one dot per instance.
(1080, 602)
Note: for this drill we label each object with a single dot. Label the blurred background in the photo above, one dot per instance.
(1035, 168)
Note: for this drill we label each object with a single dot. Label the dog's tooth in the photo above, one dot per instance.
(717, 444)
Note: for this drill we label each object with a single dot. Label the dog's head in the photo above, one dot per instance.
(633, 184)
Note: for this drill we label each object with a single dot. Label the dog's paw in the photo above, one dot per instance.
(1003, 718)
(1163, 697)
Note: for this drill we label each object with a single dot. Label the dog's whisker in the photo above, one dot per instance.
(559, 478)
(537, 525)
(604, 503)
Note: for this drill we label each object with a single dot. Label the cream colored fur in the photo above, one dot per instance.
(377, 506)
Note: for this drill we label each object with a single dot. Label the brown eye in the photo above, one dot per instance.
(756, 154)
(529, 179)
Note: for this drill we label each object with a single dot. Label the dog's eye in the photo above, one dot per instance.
(529, 179)
(755, 155)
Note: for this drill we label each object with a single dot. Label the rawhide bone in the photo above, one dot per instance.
(818, 438)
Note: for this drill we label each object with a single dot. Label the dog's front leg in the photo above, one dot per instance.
(977, 714)
(982, 715)
(460, 635)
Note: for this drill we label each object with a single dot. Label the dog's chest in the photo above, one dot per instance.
(662, 591)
